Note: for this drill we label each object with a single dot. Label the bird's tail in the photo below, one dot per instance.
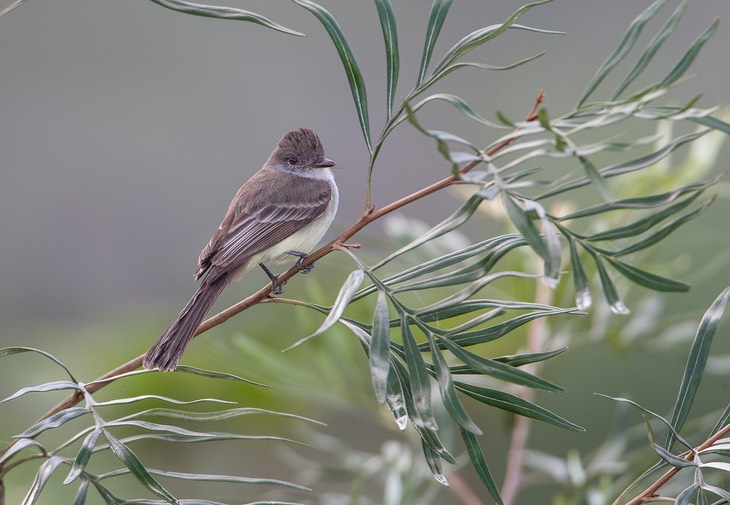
(166, 353)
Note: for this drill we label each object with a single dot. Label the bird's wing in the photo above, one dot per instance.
(261, 216)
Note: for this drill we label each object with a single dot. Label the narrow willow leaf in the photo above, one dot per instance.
(524, 225)
(395, 400)
(215, 415)
(18, 446)
(645, 224)
(455, 220)
(626, 166)
(53, 421)
(448, 394)
(201, 477)
(675, 461)
(516, 405)
(83, 456)
(644, 202)
(648, 279)
(347, 291)
(220, 12)
(553, 251)
(653, 414)
(683, 64)
(460, 307)
(459, 104)
(497, 331)
(418, 375)
(595, 177)
(480, 36)
(685, 497)
(392, 59)
(721, 422)
(651, 50)
(615, 303)
(380, 348)
(712, 122)
(497, 369)
(526, 359)
(9, 351)
(664, 231)
(125, 401)
(580, 280)
(436, 18)
(41, 477)
(136, 468)
(352, 71)
(624, 47)
(82, 492)
(43, 388)
(479, 462)
(722, 493)
(434, 463)
(214, 374)
(695, 368)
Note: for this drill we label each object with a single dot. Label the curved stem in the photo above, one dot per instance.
(370, 215)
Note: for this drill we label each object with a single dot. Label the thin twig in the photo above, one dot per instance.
(262, 294)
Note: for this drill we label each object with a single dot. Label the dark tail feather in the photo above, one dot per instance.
(166, 353)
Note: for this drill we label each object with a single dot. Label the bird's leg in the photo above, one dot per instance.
(305, 269)
(276, 288)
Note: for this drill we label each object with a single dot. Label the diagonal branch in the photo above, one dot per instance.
(262, 294)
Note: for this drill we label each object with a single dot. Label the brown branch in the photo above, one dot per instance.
(651, 492)
(262, 294)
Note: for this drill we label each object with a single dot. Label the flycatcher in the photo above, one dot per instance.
(284, 209)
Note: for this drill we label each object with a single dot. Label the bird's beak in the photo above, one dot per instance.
(324, 163)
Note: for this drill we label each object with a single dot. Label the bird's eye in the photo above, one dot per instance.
(292, 161)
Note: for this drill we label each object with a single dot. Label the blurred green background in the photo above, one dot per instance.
(125, 129)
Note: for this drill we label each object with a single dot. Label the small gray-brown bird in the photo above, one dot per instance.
(284, 209)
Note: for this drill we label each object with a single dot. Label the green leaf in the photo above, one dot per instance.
(134, 399)
(696, 362)
(458, 218)
(419, 380)
(721, 422)
(448, 393)
(214, 374)
(459, 104)
(83, 456)
(479, 462)
(82, 492)
(493, 368)
(395, 399)
(682, 65)
(354, 76)
(653, 414)
(436, 18)
(41, 477)
(9, 351)
(524, 225)
(54, 421)
(220, 12)
(43, 388)
(712, 122)
(434, 463)
(651, 50)
(615, 303)
(663, 232)
(515, 404)
(624, 47)
(380, 348)
(526, 359)
(648, 279)
(135, 466)
(553, 251)
(480, 36)
(18, 446)
(201, 477)
(347, 291)
(626, 166)
(580, 280)
(670, 458)
(215, 415)
(390, 37)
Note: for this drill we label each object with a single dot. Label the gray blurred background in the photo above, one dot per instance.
(125, 129)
